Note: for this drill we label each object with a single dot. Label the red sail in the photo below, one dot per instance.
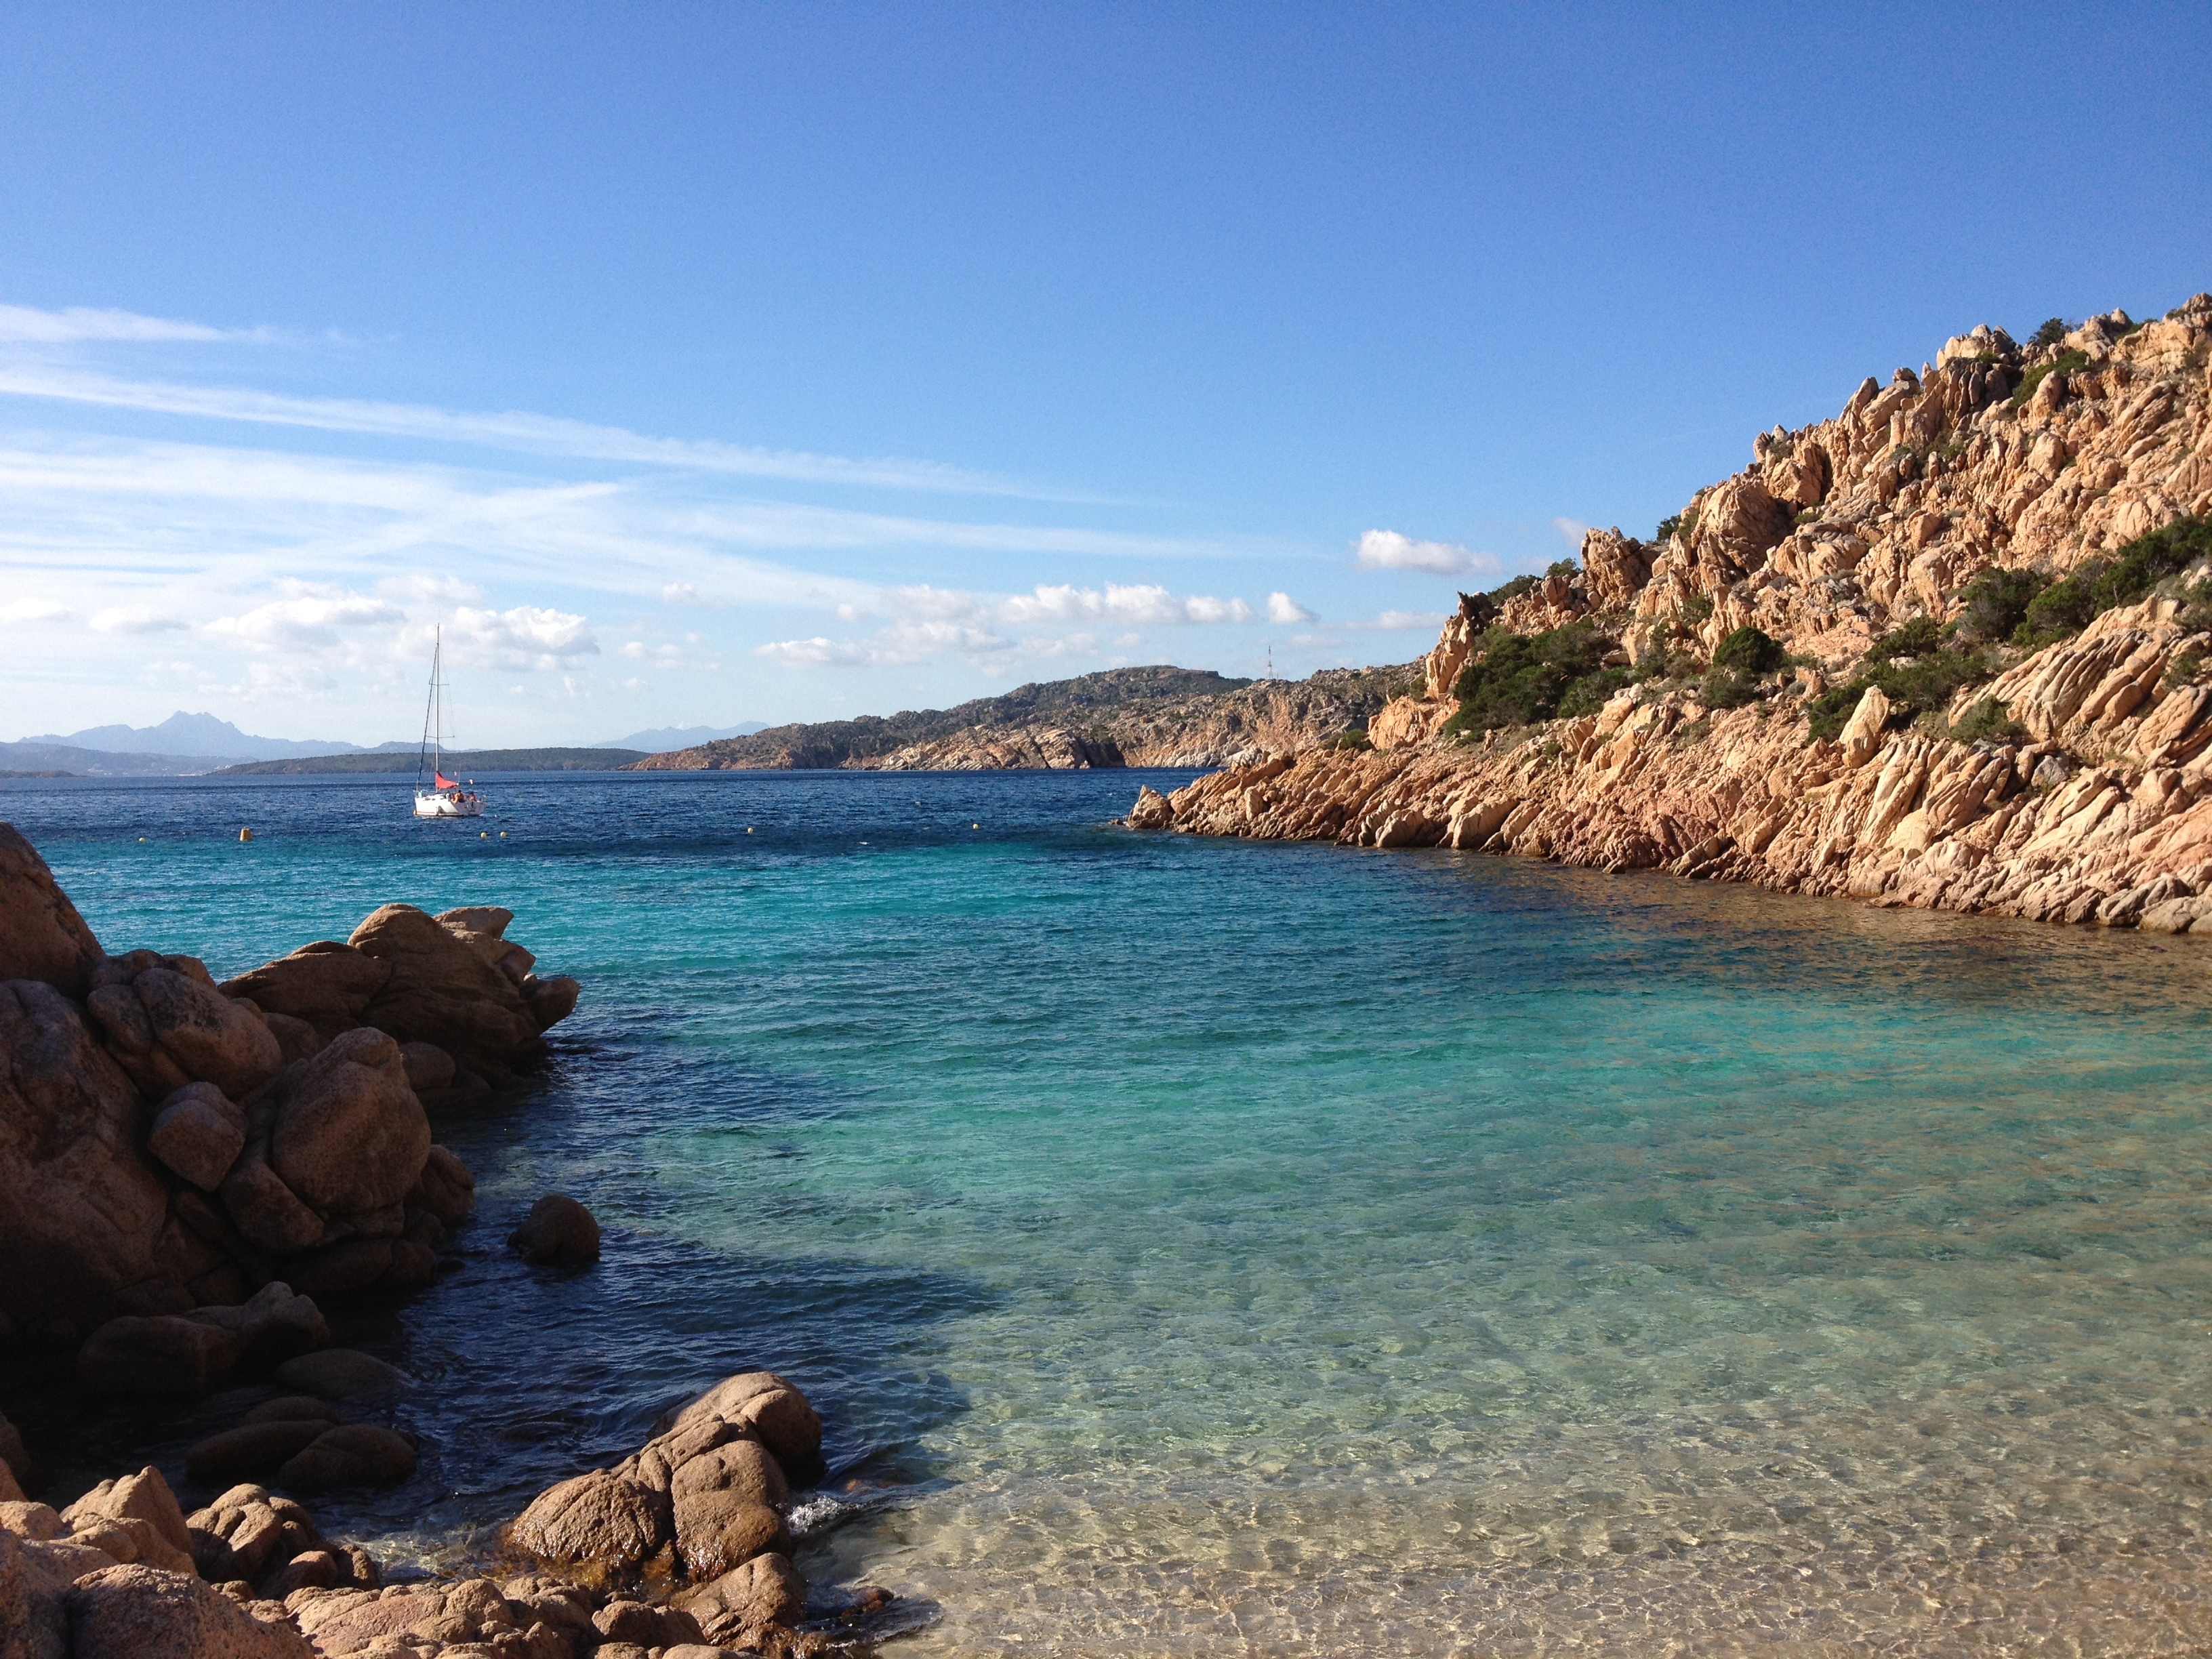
(444, 782)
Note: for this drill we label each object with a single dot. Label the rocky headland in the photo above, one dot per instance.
(1157, 716)
(1946, 649)
(190, 1172)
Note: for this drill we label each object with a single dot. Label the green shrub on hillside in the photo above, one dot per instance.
(1995, 603)
(2127, 577)
(1726, 688)
(1592, 691)
(1915, 637)
(2064, 607)
(1518, 679)
(2149, 560)
(1510, 590)
(2197, 607)
(1924, 685)
(1668, 527)
(2050, 332)
(2066, 362)
(1568, 567)
(1749, 651)
(1987, 722)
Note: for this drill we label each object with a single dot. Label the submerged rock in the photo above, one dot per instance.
(164, 1355)
(250, 1448)
(352, 1454)
(558, 1230)
(344, 1374)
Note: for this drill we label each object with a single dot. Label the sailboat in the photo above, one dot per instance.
(444, 798)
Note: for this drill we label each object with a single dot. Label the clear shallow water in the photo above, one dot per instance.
(1202, 1247)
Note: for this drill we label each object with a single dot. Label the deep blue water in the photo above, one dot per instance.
(1203, 1247)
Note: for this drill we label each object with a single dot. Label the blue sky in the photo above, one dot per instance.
(699, 363)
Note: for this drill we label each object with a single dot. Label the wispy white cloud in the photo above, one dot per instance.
(1386, 550)
(1393, 620)
(135, 619)
(289, 574)
(514, 430)
(27, 324)
(1572, 532)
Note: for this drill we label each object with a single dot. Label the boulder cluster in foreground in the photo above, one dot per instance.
(185, 1167)
(680, 1552)
(168, 1144)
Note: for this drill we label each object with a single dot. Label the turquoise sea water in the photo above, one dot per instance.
(1205, 1248)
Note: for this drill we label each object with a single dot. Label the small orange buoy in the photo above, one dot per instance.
(246, 834)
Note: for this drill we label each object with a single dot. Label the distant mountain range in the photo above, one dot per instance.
(48, 757)
(183, 734)
(189, 744)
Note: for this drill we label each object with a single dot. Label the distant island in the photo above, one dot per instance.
(456, 764)
(1159, 715)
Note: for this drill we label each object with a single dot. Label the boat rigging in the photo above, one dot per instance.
(444, 798)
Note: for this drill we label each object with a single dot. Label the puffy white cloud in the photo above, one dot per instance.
(135, 619)
(32, 610)
(820, 651)
(526, 636)
(306, 621)
(927, 622)
(1282, 608)
(1207, 609)
(1122, 606)
(1386, 549)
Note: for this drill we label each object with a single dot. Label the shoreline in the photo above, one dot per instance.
(2107, 818)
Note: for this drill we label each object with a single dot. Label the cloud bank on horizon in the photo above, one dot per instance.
(294, 555)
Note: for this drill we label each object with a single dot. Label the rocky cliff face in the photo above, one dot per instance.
(1922, 741)
(1159, 716)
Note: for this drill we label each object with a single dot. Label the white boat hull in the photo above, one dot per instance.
(448, 804)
